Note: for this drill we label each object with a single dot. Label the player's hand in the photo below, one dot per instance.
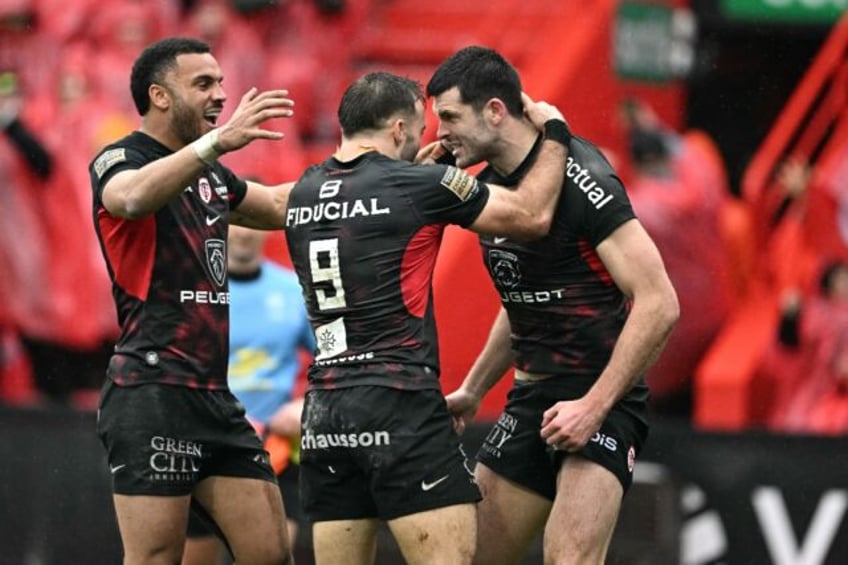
(568, 425)
(434, 152)
(540, 112)
(253, 110)
(462, 406)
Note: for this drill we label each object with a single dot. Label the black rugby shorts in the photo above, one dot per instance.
(514, 449)
(163, 439)
(378, 452)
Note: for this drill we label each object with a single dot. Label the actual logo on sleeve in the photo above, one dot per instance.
(109, 159)
(459, 182)
(216, 258)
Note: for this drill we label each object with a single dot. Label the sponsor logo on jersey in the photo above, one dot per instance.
(108, 159)
(532, 296)
(204, 189)
(311, 440)
(505, 269)
(459, 182)
(332, 211)
(216, 258)
(586, 183)
(204, 297)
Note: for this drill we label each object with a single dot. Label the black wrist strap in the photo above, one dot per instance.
(557, 130)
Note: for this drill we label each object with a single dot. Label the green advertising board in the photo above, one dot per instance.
(802, 11)
(652, 42)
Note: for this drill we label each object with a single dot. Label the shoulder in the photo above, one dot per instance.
(132, 151)
(586, 154)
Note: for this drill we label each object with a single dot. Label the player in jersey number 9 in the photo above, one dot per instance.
(363, 230)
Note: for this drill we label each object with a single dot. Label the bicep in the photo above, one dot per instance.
(114, 192)
(633, 261)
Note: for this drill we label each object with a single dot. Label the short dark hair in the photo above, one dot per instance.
(374, 98)
(480, 74)
(156, 60)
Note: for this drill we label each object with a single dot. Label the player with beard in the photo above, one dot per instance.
(585, 311)
(363, 230)
(175, 436)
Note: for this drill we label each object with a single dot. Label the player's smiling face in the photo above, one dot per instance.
(462, 129)
(197, 95)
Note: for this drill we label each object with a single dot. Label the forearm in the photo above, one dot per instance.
(494, 360)
(641, 341)
(141, 192)
(264, 207)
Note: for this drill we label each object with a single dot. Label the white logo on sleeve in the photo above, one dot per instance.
(425, 486)
(116, 468)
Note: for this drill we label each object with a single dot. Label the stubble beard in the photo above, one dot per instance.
(184, 122)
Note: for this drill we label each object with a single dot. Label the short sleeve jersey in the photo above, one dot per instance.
(564, 309)
(169, 273)
(363, 237)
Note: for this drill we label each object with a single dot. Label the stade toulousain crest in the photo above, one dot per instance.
(216, 259)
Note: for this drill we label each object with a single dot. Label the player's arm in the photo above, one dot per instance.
(527, 211)
(492, 363)
(634, 262)
(263, 207)
(635, 265)
(135, 193)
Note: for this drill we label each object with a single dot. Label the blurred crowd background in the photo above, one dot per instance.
(744, 192)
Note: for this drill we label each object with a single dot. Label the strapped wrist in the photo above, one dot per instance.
(206, 147)
(557, 130)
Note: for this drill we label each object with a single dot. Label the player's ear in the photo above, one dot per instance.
(494, 111)
(399, 132)
(159, 96)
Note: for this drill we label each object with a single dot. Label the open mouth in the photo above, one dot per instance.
(211, 116)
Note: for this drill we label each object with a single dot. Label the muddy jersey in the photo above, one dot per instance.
(169, 273)
(363, 237)
(565, 311)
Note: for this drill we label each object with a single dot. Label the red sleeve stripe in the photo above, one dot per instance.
(590, 256)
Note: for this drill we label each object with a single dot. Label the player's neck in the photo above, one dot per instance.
(515, 144)
(160, 132)
(350, 149)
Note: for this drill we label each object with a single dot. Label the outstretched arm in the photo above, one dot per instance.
(139, 192)
(635, 265)
(263, 207)
(494, 360)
